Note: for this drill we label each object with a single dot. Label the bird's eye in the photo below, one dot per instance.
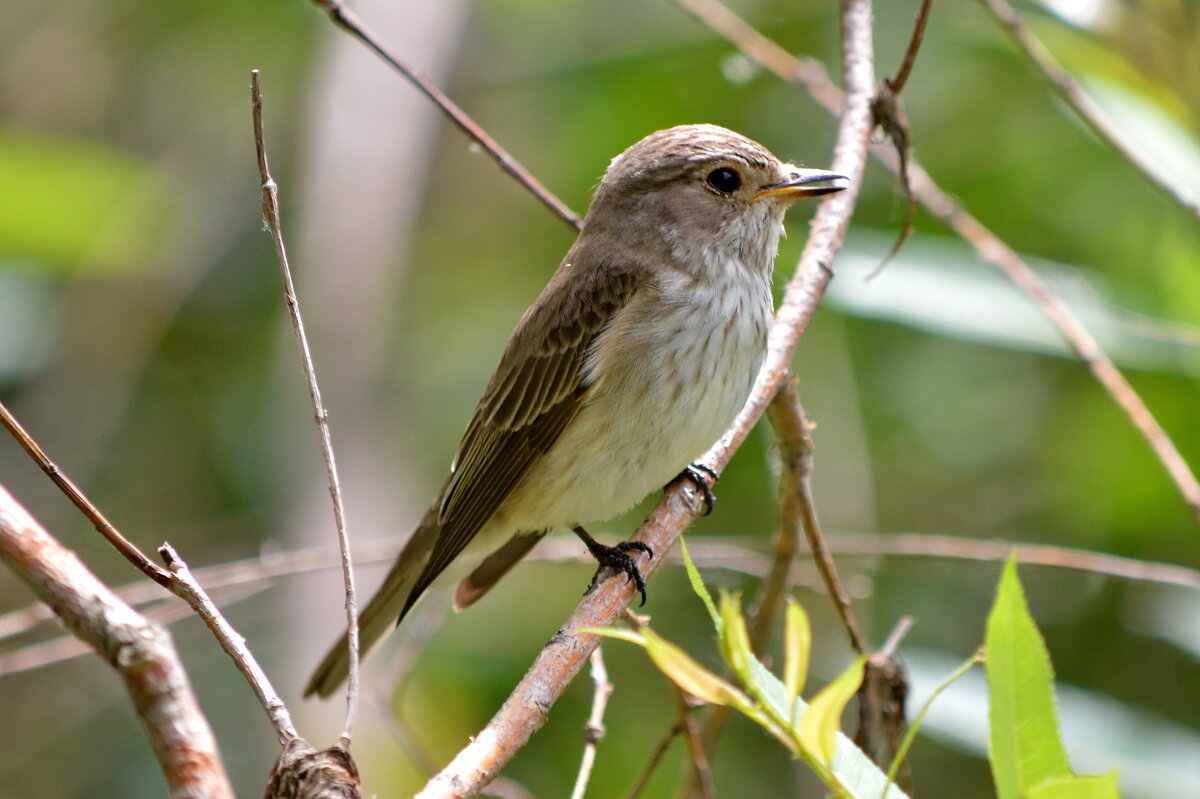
(724, 180)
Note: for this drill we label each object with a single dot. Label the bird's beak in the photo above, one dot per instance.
(804, 183)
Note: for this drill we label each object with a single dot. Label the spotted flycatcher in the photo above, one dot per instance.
(633, 360)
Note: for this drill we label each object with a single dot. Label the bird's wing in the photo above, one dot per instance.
(530, 400)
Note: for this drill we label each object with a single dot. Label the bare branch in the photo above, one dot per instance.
(897, 81)
(245, 578)
(98, 520)
(233, 644)
(795, 443)
(1090, 114)
(593, 728)
(140, 651)
(270, 206)
(990, 248)
(349, 22)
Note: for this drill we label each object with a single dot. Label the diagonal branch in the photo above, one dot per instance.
(809, 74)
(346, 19)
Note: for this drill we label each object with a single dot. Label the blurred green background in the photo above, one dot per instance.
(143, 341)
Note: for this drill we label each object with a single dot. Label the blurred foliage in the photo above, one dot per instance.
(143, 342)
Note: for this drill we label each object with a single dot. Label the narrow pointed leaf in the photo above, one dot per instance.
(797, 649)
(820, 724)
(689, 675)
(1025, 746)
(617, 633)
(698, 585)
(734, 638)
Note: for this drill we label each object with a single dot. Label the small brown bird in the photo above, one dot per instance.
(632, 361)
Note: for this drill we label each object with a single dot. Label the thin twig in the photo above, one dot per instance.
(693, 736)
(526, 708)
(593, 728)
(141, 652)
(270, 207)
(233, 644)
(244, 578)
(1085, 108)
(809, 74)
(98, 520)
(797, 460)
(795, 444)
(656, 758)
(345, 19)
(897, 81)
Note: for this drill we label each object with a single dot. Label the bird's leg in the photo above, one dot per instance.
(698, 473)
(615, 557)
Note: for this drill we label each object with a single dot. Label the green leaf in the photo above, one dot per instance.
(698, 585)
(1025, 746)
(820, 724)
(1102, 787)
(797, 649)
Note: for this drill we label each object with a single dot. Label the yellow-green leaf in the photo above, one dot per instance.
(698, 585)
(734, 638)
(689, 675)
(820, 724)
(797, 649)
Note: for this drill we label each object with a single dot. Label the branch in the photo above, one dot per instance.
(234, 644)
(593, 729)
(526, 709)
(809, 74)
(349, 22)
(181, 584)
(140, 651)
(791, 425)
(1090, 114)
(98, 520)
(270, 206)
(245, 578)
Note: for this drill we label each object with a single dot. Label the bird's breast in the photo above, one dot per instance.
(666, 379)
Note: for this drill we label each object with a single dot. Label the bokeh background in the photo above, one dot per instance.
(143, 341)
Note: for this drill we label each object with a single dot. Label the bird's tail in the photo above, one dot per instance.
(383, 612)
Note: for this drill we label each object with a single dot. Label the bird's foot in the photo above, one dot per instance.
(615, 557)
(699, 474)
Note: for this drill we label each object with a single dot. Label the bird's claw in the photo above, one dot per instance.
(699, 474)
(615, 557)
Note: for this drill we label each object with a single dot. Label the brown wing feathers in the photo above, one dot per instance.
(525, 408)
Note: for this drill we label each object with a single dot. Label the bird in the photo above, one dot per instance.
(631, 362)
